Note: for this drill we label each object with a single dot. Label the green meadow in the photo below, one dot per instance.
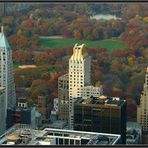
(110, 44)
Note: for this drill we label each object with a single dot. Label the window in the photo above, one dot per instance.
(71, 141)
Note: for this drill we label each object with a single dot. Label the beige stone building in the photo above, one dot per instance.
(63, 96)
(77, 83)
(142, 109)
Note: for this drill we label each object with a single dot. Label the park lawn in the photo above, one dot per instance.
(110, 44)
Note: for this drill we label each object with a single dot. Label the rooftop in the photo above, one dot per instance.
(21, 134)
(102, 100)
(79, 52)
(65, 76)
(56, 124)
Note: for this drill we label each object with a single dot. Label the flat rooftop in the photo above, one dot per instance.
(21, 134)
(56, 124)
(102, 100)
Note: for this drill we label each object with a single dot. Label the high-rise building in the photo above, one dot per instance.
(63, 95)
(142, 109)
(79, 78)
(77, 83)
(6, 74)
(6, 71)
(102, 114)
(2, 111)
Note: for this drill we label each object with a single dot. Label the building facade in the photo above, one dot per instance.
(6, 75)
(142, 109)
(6, 71)
(55, 110)
(103, 114)
(21, 114)
(43, 107)
(2, 8)
(79, 76)
(92, 91)
(63, 95)
(2, 111)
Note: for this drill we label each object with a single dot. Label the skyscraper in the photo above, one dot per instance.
(79, 79)
(77, 83)
(142, 109)
(2, 111)
(79, 76)
(6, 72)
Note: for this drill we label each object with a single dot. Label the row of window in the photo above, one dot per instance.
(76, 62)
(74, 85)
(77, 66)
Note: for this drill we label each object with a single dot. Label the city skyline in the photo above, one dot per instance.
(71, 67)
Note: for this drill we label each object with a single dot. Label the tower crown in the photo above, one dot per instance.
(3, 41)
(79, 52)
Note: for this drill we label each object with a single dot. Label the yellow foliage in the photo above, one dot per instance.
(131, 60)
(19, 32)
(145, 19)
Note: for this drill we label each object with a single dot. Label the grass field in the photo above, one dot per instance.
(57, 43)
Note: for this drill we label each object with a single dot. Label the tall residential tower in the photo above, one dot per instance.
(79, 76)
(77, 83)
(142, 109)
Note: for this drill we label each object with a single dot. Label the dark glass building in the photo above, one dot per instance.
(21, 114)
(103, 114)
